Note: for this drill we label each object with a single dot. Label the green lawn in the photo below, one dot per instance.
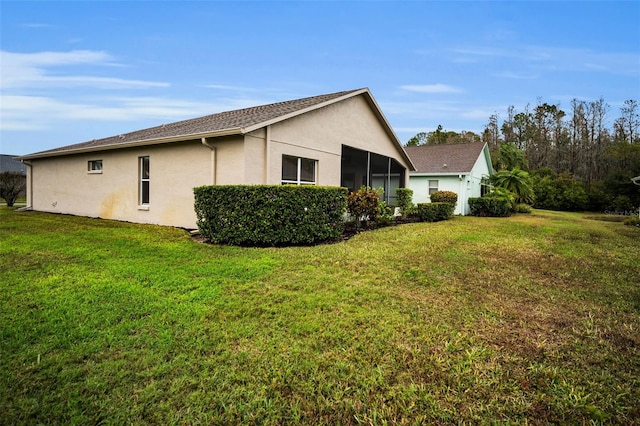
(524, 320)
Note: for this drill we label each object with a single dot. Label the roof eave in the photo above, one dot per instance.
(438, 173)
(134, 144)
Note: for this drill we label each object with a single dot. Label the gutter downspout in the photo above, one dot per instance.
(462, 195)
(29, 205)
(213, 159)
(267, 156)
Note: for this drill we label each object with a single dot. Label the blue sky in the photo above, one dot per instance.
(76, 71)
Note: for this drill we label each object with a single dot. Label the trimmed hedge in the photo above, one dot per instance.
(270, 215)
(490, 206)
(444, 197)
(435, 212)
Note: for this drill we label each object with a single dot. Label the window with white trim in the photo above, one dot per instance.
(433, 186)
(298, 171)
(94, 166)
(144, 180)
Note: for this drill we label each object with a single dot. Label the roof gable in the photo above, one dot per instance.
(236, 122)
(445, 158)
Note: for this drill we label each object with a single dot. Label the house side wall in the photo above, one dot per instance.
(63, 184)
(457, 184)
(320, 134)
(230, 160)
(465, 185)
(254, 161)
(480, 169)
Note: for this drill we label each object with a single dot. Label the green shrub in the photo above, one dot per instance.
(444, 197)
(435, 212)
(385, 215)
(632, 221)
(503, 194)
(516, 181)
(270, 215)
(598, 196)
(559, 191)
(364, 205)
(404, 198)
(522, 208)
(621, 203)
(490, 206)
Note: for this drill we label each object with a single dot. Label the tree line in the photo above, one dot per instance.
(580, 149)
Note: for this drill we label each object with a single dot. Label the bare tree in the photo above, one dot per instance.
(491, 134)
(627, 126)
(12, 184)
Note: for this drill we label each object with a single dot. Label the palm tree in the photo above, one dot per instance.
(516, 181)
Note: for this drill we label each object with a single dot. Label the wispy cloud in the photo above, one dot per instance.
(229, 87)
(20, 112)
(554, 58)
(40, 90)
(431, 88)
(420, 109)
(36, 25)
(516, 75)
(32, 70)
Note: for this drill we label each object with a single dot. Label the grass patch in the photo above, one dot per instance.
(528, 319)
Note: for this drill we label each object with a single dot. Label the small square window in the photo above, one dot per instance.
(94, 166)
(433, 186)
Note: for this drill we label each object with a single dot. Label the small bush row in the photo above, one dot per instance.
(490, 206)
(435, 212)
(274, 215)
(270, 215)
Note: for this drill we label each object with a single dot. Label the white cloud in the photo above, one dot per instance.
(20, 112)
(31, 70)
(431, 88)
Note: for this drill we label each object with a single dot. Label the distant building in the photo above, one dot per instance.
(8, 164)
(463, 168)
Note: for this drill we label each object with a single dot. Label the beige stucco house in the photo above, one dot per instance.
(148, 176)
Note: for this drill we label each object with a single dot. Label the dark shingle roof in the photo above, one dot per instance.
(8, 164)
(446, 158)
(237, 121)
